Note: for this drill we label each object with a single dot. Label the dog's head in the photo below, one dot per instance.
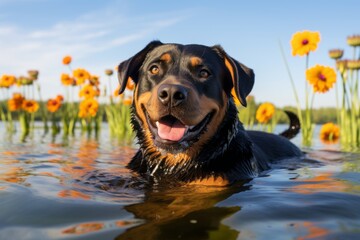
(181, 94)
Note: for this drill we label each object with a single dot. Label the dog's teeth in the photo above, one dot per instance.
(157, 124)
(191, 127)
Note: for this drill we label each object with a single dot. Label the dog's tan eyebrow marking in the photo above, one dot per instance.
(166, 57)
(195, 61)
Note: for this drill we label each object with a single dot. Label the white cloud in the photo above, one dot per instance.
(84, 38)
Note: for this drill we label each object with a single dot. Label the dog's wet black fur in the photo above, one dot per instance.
(186, 121)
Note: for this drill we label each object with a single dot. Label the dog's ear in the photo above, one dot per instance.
(130, 68)
(242, 77)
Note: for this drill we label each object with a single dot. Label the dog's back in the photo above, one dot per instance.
(272, 147)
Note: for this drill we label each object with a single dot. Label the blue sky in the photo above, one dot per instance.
(36, 34)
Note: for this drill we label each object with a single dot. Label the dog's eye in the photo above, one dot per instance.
(204, 73)
(154, 70)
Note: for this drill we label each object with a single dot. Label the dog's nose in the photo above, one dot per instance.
(172, 95)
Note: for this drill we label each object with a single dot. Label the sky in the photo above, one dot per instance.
(37, 34)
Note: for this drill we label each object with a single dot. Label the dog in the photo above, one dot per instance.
(186, 121)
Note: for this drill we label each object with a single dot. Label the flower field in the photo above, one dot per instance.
(320, 79)
(62, 113)
(88, 100)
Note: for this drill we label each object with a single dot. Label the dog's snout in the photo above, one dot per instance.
(171, 94)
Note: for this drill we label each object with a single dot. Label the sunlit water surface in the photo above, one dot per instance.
(78, 188)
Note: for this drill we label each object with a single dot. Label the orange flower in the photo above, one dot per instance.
(30, 106)
(322, 78)
(15, 102)
(265, 112)
(67, 80)
(94, 80)
(81, 75)
(7, 81)
(127, 101)
(67, 60)
(60, 98)
(329, 133)
(116, 92)
(53, 105)
(88, 108)
(304, 42)
(130, 85)
(87, 91)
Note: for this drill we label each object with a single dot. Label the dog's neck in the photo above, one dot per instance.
(213, 160)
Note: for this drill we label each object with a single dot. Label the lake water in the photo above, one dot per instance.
(79, 188)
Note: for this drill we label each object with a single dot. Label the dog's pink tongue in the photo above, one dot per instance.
(171, 131)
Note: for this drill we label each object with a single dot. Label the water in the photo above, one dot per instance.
(79, 188)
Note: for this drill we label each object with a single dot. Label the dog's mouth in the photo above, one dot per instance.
(170, 130)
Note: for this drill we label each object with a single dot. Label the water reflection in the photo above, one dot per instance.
(84, 228)
(79, 187)
(184, 212)
(325, 182)
(83, 161)
(312, 231)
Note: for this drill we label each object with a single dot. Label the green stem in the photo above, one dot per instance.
(292, 83)
(110, 90)
(43, 111)
(290, 75)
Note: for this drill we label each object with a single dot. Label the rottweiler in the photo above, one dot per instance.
(186, 121)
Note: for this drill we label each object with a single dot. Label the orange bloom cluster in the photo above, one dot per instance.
(79, 76)
(329, 133)
(128, 100)
(322, 78)
(89, 91)
(54, 104)
(265, 112)
(304, 42)
(18, 102)
(30, 106)
(88, 108)
(7, 81)
(94, 80)
(130, 85)
(67, 80)
(15, 102)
